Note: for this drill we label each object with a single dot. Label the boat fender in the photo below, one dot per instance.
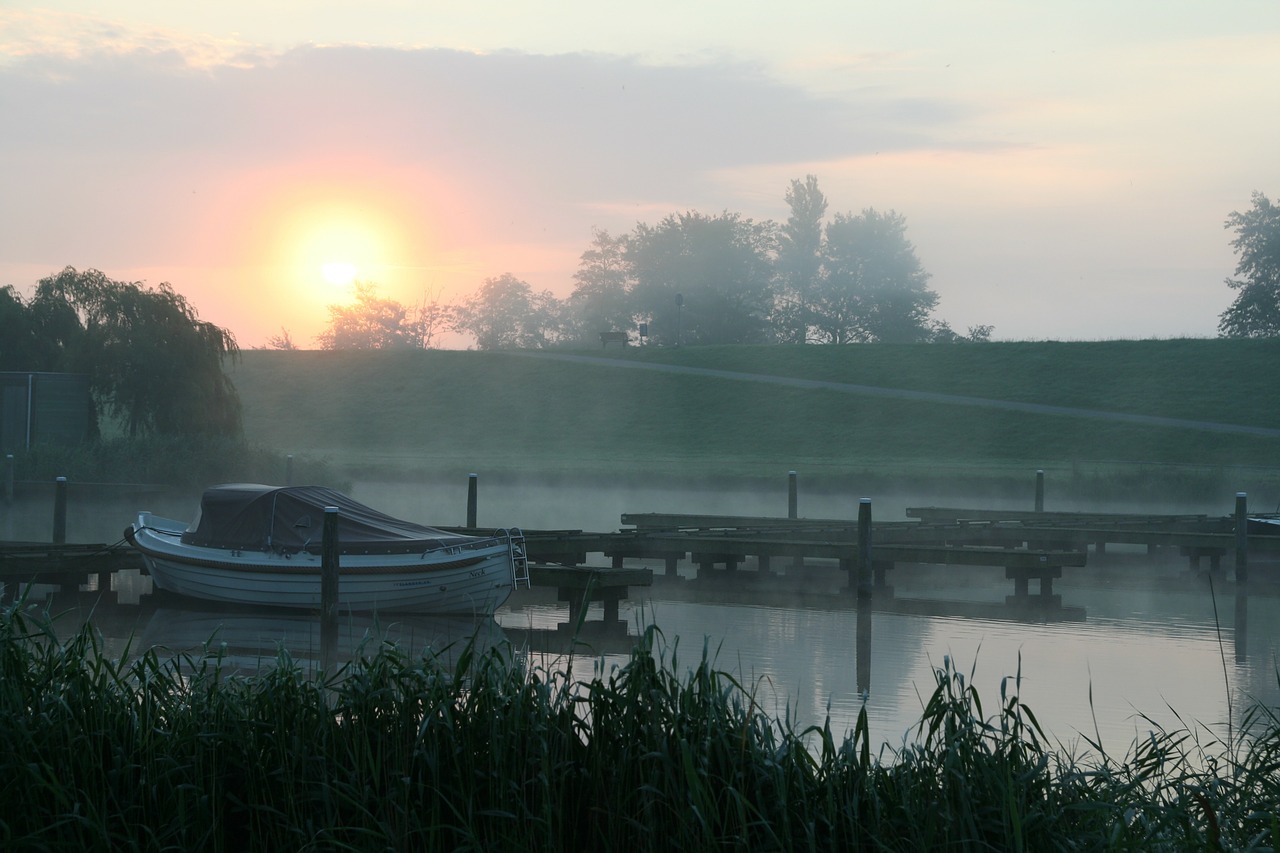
(128, 535)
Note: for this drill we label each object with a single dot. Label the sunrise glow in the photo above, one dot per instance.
(339, 274)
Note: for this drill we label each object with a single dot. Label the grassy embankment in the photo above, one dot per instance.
(503, 413)
(393, 753)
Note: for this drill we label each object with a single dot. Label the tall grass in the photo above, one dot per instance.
(151, 752)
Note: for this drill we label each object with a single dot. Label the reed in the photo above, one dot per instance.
(151, 751)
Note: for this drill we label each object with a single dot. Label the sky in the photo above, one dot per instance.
(1065, 168)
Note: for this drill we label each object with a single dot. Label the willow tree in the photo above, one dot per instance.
(152, 362)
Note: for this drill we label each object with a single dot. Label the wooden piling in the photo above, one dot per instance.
(1242, 577)
(471, 500)
(288, 470)
(862, 565)
(1242, 538)
(60, 511)
(8, 478)
(329, 566)
(864, 576)
(1040, 490)
(793, 511)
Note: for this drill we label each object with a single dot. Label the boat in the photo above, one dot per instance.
(257, 544)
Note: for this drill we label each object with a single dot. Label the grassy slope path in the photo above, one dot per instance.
(917, 396)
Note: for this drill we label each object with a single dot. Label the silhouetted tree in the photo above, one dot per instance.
(430, 318)
(153, 363)
(370, 322)
(940, 332)
(506, 312)
(874, 288)
(600, 301)
(281, 341)
(722, 269)
(1255, 313)
(799, 260)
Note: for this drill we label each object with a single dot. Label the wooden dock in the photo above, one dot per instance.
(1027, 547)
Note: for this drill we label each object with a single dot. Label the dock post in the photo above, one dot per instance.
(288, 470)
(8, 478)
(329, 588)
(60, 511)
(1040, 490)
(864, 571)
(1242, 576)
(862, 565)
(1242, 538)
(793, 511)
(471, 500)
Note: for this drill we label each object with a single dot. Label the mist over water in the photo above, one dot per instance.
(1149, 648)
(1150, 645)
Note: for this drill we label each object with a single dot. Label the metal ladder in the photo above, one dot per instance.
(519, 558)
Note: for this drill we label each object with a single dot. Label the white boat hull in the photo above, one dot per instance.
(475, 580)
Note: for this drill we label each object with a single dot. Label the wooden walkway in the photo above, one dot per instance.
(1025, 546)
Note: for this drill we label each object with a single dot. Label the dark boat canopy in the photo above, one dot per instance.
(253, 517)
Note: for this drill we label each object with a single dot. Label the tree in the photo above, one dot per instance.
(940, 332)
(600, 301)
(703, 280)
(799, 259)
(1255, 313)
(430, 318)
(152, 362)
(506, 312)
(370, 322)
(281, 341)
(874, 288)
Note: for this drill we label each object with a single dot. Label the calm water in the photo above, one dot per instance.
(1139, 653)
(1151, 645)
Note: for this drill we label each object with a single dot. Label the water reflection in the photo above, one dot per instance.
(248, 638)
(1155, 650)
(1145, 657)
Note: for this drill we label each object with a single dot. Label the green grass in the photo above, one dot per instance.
(399, 753)
(452, 412)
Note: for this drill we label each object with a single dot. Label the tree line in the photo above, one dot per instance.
(725, 279)
(156, 368)
(691, 279)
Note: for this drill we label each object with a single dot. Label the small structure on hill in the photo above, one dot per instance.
(44, 408)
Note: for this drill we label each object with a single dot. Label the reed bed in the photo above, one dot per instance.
(150, 751)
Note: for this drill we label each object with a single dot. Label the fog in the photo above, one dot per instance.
(1177, 638)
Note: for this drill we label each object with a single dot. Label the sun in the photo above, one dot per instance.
(338, 274)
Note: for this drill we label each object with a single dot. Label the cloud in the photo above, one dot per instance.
(537, 135)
